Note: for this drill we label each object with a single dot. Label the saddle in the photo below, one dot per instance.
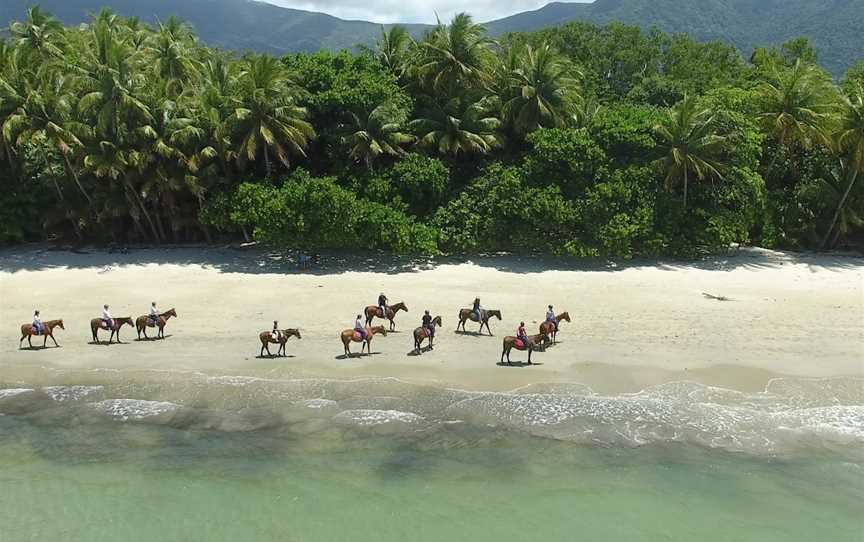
(520, 344)
(151, 322)
(36, 331)
(357, 336)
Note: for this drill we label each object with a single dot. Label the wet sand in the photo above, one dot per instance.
(633, 325)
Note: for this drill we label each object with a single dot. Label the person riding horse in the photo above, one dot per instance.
(107, 321)
(154, 316)
(550, 317)
(38, 327)
(359, 328)
(427, 324)
(382, 305)
(478, 311)
(276, 334)
(521, 334)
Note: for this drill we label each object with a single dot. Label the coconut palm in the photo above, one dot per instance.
(460, 126)
(796, 105)
(171, 55)
(268, 118)
(690, 143)
(393, 48)
(850, 145)
(455, 56)
(377, 134)
(38, 34)
(542, 90)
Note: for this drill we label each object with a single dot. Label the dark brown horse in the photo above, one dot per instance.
(548, 328)
(421, 334)
(468, 314)
(349, 335)
(267, 338)
(96, 325)
(512, 342)
(373, 312)
(142, 322)
(27, 331)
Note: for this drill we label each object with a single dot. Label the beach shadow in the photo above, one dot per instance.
(151, 339)
(355, 355)
(519, 364)
(415, 353)
(472, 333)
(104, 343)
(37, 348)
(275, 356)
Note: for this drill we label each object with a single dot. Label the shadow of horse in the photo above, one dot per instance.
(355, 355)
(274, 356)
(36, 348)
(516, 364)
(151, 339)
(413, 352)
(472, 334)
(103, 343)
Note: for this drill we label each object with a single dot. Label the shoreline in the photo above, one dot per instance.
(634, 325)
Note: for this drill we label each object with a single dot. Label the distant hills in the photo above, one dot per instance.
(835, 26)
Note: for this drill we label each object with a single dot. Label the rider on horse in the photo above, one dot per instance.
(521, 334)
(477, 310)
(107, 321)
(382, 305)
(358, 327)
(276, 334)
(427, 324)
(154, 314)
(550, 317)
(38, 326)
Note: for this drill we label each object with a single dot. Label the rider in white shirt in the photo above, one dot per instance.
(37, 323)
(106, 317)
(154, 313)
(358, 326)
(550, 317)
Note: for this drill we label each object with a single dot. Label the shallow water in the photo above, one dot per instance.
(106, 455)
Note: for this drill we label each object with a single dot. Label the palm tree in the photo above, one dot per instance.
(691, 145)
(268, 118)
(376, 134)
(455, 56)
(38, 33)
(393, 49)
(170, 52)
(796, 104)
(460, 126)
(542, 91)
(850, 145)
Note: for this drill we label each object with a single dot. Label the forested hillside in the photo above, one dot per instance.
(577, 141)
(833, 26)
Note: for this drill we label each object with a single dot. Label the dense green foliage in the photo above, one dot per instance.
(580, 141)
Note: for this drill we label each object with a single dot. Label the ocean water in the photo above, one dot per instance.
(110, 455)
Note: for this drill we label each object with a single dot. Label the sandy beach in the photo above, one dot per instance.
(633, 325)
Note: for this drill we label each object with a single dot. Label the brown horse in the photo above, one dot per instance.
(548, 328)
(511, 342)
(468, 314)
(267, 338)
(349, 335)
(96, 325)
(372, 312)
(27, 331)
(420, 334)
(142, 322)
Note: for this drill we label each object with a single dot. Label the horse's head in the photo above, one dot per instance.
(171, 312)
(379, 329)
(565, 316)
(495, 313)
(294, 332)
(437, 321)
(125, 320)
(60, 323)
(401, 306)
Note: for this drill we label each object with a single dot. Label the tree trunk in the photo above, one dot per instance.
(144, 211)
(685, 187)
(267, 171)
(71, 171)
(840, 205)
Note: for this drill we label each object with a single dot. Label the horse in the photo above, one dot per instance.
(372, 312)
(420, 334)
(142, 322)
(267, 337)
(96, 325)
(468, 314)
(350, 335)
(27, 331)
(512, 342)
(548, 328)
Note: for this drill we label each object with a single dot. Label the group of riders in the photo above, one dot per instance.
(107, 321)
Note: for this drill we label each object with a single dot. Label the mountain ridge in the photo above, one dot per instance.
(260, 26)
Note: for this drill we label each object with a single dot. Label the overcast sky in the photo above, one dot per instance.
(413, 11)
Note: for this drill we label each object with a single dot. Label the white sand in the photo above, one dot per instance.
(633, 325)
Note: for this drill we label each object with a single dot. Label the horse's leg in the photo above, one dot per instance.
(55, 340)
(44, 340)
(529, 355)
(138, 331)
(30, 344)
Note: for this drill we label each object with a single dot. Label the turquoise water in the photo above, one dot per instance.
(196, 457)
